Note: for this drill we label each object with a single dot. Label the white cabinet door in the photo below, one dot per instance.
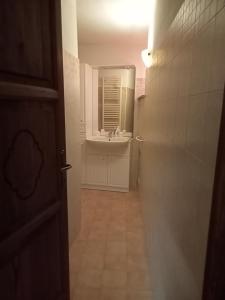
(118, 171)
(96, 169)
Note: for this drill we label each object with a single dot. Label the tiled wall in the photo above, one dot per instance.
(139, 91)
(181, 118)
(72, 120)
(139, 87)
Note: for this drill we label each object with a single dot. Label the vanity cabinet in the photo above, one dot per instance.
(118, 171)
(96, 169)
(107, 168)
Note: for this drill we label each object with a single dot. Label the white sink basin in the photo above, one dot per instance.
(108, 140)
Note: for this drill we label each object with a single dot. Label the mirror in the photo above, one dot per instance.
(116, 89)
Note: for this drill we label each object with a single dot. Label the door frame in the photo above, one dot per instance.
(214, 281)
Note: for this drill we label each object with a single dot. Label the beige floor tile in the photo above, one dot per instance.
(102, 213)
(118, 221)
(114, 196)
(97, 234)
(118, 224)
(100, 224)
(104, 218)
(86, 214)
(104, 203)
(119, 205)
(86, 294)
(73, 280)
(138, 280)
(135, 221)
(86, 221)
(84, 233)
(133, 209)
(95, 247)
(90, 278)
(108, 260)
(76, 262)
(139, 295)
(114, 279)
(118, 202)
(88, 207)
(133, 227)
(116, 248)
(136, 235)
(136, 247)
(118, 213)
(137, 262)
(116, 234)
(78, 247)
(113, 294)
(116, 262)
(92, 262)
(134, 205)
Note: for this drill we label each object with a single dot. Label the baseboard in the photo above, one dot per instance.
(105, 188)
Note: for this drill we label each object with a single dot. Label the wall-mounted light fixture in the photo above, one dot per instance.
(146, 57)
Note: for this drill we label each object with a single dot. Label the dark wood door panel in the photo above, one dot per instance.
(26, 275)
(13, 91)
(29, 158)
(12, 243)
(33, 205)
(25, 41)
(214, 281)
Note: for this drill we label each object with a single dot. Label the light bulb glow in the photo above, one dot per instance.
(130, 13)
(146, 53)
(146, 57)
(151, 30)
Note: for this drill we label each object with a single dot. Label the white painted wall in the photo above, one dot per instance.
(94, 101)
(69, 26)
(72, 113)
(89, 98)
(86, 79)
(110, 55)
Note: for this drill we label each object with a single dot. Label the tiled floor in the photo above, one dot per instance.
(108, 261)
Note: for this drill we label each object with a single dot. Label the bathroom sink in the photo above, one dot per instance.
(108, 140)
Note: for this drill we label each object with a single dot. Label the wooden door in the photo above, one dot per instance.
(33, 207)
(214, 283)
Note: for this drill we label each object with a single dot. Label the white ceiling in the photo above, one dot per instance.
(112, 22)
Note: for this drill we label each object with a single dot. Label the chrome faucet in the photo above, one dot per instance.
(111, 133)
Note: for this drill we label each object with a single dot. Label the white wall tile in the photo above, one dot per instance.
(181, 120)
